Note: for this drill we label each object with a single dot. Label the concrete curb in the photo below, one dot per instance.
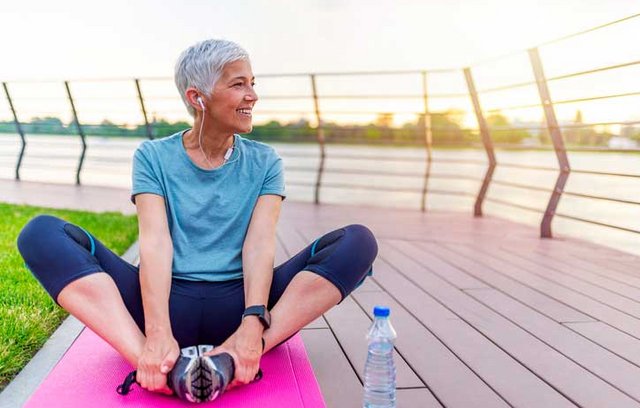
(18, 391)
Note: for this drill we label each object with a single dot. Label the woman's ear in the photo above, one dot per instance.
(194, 99)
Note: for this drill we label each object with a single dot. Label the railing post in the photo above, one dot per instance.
(320, 137)
(18, 128)
(144, 110)
(428, 141)
(80, 131)
(556, 138)
(486, 141)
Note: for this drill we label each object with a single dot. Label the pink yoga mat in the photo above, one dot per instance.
(90, 371)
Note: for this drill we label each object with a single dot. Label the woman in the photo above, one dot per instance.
(208, 201)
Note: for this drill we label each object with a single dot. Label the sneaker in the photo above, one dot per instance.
(196, 377)
(217, 372)
(185, 378)
(199, 378)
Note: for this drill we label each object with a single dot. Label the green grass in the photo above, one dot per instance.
(28, 316)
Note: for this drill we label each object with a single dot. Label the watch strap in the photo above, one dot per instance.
(261, 312)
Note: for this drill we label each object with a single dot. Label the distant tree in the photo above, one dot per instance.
(575, 134)
(501, 130)
(384, 120)
(163, 128)
(446, 127)
(373, 133)
(578, 118)
(106, 128)
(46, 124)
(578, 134)
(7, 127)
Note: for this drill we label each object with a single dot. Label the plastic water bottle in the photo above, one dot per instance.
(379, 370)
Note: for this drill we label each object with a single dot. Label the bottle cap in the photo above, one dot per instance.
(381, 311)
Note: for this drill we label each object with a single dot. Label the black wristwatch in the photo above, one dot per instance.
(260, 311)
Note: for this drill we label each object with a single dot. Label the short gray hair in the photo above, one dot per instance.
(200, 66)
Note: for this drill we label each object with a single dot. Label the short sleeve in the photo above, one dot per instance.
(274, 179)
(144, 176)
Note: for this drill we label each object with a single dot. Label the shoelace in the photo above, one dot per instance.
(125, 387)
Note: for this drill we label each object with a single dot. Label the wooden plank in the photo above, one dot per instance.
(584, 304)
(597, 306)
(622, 344)
(281, 254)
(369, 285)
(568, 378)
(338, 382)
(620, 261)
(292, 241)
(449, 378)
(614, 294)
(598, 360)
(318, 323)
(602, 274)
(350, 324)
(602, 268)
(446, 271)
(417, 397)
(498, 278)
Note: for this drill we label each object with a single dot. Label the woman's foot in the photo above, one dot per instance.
(218, 371)
(199, 378)
(196, 377)
(185, 379)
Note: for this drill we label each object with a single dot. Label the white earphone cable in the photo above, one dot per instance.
(227, 154)
(200, 143)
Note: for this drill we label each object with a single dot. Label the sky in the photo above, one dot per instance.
(69, 39)
(80, 39)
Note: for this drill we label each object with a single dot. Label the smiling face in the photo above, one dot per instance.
(232, 100)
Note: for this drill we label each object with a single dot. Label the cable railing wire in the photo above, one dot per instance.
(555, 40)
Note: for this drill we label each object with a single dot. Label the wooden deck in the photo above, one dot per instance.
(487, 314)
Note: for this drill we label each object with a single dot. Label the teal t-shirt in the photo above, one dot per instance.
(208, 210)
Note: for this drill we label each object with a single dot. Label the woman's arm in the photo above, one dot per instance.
(258, 253)
(258, 250)
(156, 255)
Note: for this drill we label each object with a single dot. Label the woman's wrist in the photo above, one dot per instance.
(252, 324)
(159, 330)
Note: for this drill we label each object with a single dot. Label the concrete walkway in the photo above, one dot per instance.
(66, 196)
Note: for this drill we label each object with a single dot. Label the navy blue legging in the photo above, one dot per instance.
(58, 252)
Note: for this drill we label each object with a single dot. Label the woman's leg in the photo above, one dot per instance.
(88, 280)
(318, 278)
(88, 297)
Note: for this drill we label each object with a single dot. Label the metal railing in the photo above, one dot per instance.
(424, 131)
(555, 130)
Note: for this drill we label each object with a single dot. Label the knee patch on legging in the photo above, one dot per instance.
(322, 248)
(81, 236)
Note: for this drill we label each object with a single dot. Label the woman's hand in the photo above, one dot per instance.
(245, 346)
(160, 353)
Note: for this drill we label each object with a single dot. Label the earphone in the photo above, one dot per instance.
(229, 151)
